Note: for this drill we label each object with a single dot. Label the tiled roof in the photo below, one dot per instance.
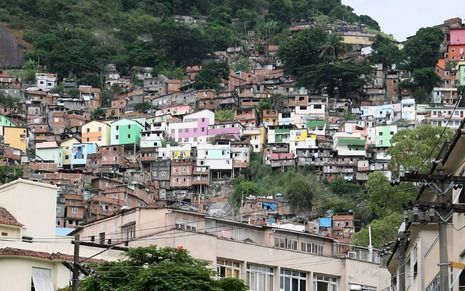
(7, 218)
(41, 255)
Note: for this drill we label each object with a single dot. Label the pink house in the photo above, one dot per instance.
(457, 36)
(231, 128)
(193, 129)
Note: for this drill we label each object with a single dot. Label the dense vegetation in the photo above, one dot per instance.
(80, 37)
(151, 268)
(378, 202)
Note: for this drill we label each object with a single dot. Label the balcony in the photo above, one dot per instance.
(200, 180)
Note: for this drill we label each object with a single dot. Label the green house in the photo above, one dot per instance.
(126, 132)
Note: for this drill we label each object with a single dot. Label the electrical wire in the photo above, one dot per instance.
(441, 136)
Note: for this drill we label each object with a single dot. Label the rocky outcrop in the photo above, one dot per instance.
(11, 55)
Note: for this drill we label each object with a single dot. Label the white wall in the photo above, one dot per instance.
(32, 204)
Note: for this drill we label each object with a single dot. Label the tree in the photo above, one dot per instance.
(415, 149)
(242, 189)
(98, 114)
(9, 173)
(340, 79)
(385, 51)
(220, 37)
(179, 43)
(142, 107)
(303, 50)
(423, 49)
(264, 104)
(300, 195)
(385, 199)
(278, 101)
(424, 80)
(382, 230)
(370, 22)
(211, 75)
(151, 268)
(224, 115)
(332, 47)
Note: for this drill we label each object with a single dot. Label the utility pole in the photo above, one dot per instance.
(76, 267)
(440, 212)
(75, 281)
(443, 256)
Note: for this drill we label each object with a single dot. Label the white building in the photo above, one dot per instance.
(408, 109)
(46, 81)
(266, 258)
(151, 138)
(30, 251)
(216, 157)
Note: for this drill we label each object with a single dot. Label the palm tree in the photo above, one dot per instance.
(333, 47)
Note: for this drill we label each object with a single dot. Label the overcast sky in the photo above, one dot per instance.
(402, 18)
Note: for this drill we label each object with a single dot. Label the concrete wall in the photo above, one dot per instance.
(33, 205)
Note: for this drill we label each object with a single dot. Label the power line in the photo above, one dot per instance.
(441, 136)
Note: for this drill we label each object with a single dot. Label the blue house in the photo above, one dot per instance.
(80, 152)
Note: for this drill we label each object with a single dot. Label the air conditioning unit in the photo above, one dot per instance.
(352, 255)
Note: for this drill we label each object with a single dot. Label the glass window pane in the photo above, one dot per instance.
(295, 284)
(287, 285)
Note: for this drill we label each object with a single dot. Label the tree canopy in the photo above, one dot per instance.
(79, 37)
(415, 149)
(422, 49)
(312, 56)
(152, 268)
(385, 51)
(211, 75)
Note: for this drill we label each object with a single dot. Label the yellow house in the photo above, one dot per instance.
(16, 137)
(181, 154)
(67, 147)
(257, 138)
(97, 132)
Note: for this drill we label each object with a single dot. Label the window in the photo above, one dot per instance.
(99, 129)
(183, 225)
(41, 279)
(117, 137)
(117, 127)
(129, 231)
(317, 106)
(66, 157)
(259, 278)
(74, 210)
(101, 237)
(129, 135)
(461, 196)
(228, 269)
(129, 126)
(324, 283)
(312, 247)
(293, 280)
(88, 130)
(285, 243)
